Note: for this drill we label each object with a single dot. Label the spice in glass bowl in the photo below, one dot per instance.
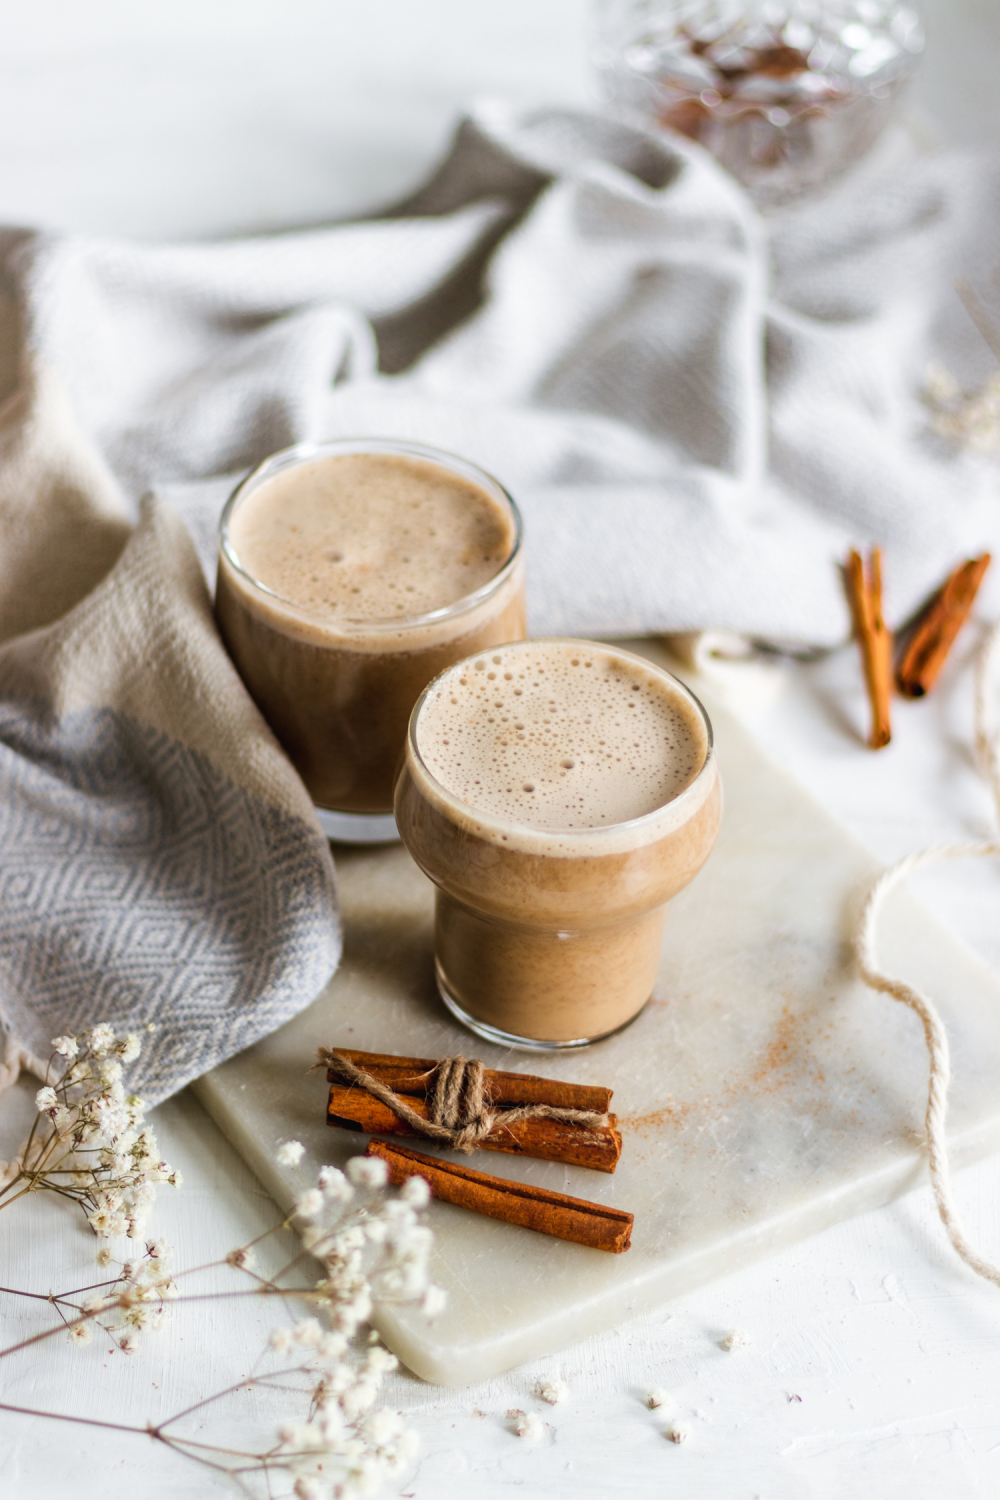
(786, 94)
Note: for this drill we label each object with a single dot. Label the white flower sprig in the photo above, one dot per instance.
(970, 419)
(128, 1303)
(122, 1306)
(373, 1248)
(89, 1141)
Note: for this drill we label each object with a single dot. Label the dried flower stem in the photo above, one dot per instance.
(370, 1248)
(88, 1141)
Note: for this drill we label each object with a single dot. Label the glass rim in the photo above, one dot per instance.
(303, 453)
(643, 823)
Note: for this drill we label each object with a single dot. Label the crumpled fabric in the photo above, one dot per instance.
(697, 412)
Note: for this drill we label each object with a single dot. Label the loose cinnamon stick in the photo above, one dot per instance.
(874, 639)
(412, 1075)
(935, 632)
(547, 1140)
(514, 1202)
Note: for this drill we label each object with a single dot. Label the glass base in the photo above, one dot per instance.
(358, 828)
(508, 1038)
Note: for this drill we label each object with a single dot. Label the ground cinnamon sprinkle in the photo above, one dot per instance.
(670, 1114)
(782, 1048)
(787, 1056)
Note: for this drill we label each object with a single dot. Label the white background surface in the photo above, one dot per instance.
(206, 117)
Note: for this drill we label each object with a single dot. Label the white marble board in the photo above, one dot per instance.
(764, 1094)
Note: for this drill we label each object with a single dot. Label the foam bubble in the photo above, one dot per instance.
(558, 736)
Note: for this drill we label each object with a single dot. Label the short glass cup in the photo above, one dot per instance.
(551, 939)
(337, 691)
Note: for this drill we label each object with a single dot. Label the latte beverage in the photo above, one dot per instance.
(350, 575)
(558, 793)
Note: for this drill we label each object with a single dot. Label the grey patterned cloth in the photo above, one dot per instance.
(159, 859)
(696, 414)
(141, 881)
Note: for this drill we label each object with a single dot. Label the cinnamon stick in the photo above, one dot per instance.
(413, 1076)
(535, 1208)
(937, 628)
(874, 639)
(548, 1140)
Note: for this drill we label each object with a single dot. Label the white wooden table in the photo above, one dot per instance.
(203, 119)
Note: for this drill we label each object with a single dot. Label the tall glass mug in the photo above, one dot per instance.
(558, 793)
(350, 574)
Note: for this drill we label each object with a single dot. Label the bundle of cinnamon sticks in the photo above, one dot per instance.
(594, 1145)
(927, 647)
(598, 1147)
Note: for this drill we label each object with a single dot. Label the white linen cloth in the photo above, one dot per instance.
(697, 415)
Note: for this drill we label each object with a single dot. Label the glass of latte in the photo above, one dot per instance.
(350, 574)
(558, 793)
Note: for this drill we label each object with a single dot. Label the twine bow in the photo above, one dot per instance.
(460, 1114)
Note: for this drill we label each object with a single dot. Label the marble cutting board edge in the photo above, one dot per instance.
(765, 1093)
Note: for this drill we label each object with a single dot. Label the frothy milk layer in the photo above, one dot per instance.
(371, 536)
(560, 736)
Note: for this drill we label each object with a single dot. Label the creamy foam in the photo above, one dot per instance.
(371, 536)
(560, 735)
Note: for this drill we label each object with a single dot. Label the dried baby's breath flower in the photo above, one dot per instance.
(434, 1301)
(88, 1142)
(658, 1397)
(290, 1153)
(342, 1443)
(101, 1038)
(308, 1333)
(416, 1192)
(529, 1426)
(970, 419)
(677, 1432)
(129, 1047)
(379, 1359)
(334, 1185)
(348, 1445)
(331, 1348)
(106, 1223)
(369, 1172)
(358, 1399)
(309, 1204)
(553, 1391)
(244, 1257)
(736, 1338)
(306, 1488)
(280, 1340)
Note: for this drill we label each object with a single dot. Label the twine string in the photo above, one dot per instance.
(18, 1059)
(987, 745)
(460, 1114)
